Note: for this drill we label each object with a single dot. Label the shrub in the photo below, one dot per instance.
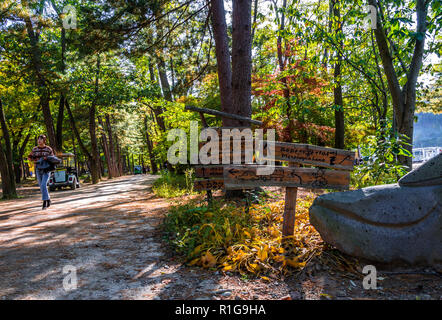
(225, 236)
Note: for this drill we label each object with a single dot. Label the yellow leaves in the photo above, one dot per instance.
(262, 253)
(252, 267)
(234, 241)
(194, 261)
(228, 268)
(208, 260)
(295, 263)
(197, 250)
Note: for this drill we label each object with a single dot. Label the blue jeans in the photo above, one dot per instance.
(42, 178)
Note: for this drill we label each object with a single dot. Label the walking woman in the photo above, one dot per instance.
(39, 153)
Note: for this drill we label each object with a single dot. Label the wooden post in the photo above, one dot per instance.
(288, 223)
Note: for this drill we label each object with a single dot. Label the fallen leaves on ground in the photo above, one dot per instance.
(226, 237)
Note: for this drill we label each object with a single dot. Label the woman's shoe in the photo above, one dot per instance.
(48, 203)
(44, 205)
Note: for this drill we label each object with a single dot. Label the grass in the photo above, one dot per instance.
(172, 185)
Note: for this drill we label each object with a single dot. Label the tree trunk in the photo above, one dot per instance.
(60, 117)
(95, 161)
(7, 171)
(241, 58)
(163, 79)
(75, 130)
(43, 89)
(337, 90)
(157, 110)
(114, 165)
(404, 99)
(153, 164)
(8, 188)
(281, 63)
(223, 59)
(105, 147)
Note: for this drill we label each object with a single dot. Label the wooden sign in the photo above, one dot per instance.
(208, 184)
(246, 176)
(314, 178)
(209, 171)
(313, 155)
(233, 150)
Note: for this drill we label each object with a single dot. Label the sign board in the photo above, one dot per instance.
(313, 155)
(314, 178)
(208, 184)
(209, 171)
(244, 176)
(293, 152)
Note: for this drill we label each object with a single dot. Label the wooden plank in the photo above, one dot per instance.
(231, 144)
(209, 171)
(315, 178)
(230, 153)
(313, 155)
(223, 114)
(208, 184)
(213, 184)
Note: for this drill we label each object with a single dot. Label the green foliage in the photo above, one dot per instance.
(135, 41)
(192, 224)
(171, 185)
(379, 155)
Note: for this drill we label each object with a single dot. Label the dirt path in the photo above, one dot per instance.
(105, 231)
(109, 233)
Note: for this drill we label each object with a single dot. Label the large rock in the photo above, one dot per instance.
(389, 222)
(429, 173)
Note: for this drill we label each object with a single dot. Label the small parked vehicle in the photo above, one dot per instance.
(65, 175)
(138, 170)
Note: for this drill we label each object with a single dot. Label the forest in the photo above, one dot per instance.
(110, 88)
(106, 81)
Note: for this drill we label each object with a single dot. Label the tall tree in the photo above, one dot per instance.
(242, 57)
(42, 83)
(223, 58)
(403, 97)
(6, 164)
(95, 163)
(337, 88)
(236, 96)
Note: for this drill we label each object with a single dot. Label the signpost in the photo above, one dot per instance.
(333, 172)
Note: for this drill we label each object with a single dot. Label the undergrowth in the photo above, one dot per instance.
(171, 185)
(224, 236)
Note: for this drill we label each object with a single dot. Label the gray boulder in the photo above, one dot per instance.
(428, 174)
(397, 222)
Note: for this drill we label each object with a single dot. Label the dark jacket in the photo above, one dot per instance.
(47, 165)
